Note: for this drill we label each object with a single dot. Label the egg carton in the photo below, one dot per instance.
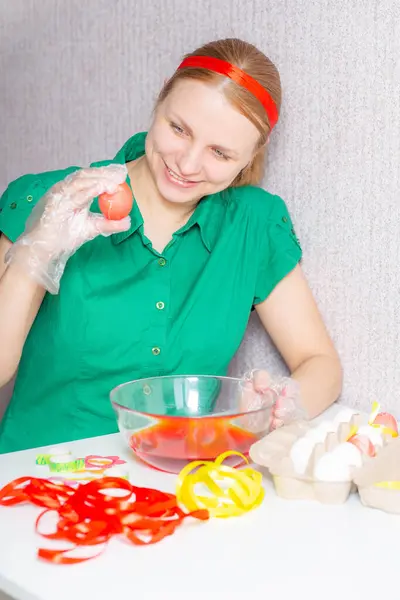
(273, 452)
(385, 467)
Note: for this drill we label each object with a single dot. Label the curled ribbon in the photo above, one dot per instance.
(91, 514)
(66, 466)
(82, 469)
(42, 459)
(233, 491)
(95, 462)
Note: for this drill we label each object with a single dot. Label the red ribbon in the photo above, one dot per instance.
(88, 517)
(240, 77)
(96, 462)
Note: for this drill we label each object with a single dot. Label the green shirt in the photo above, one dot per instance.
(124, 311)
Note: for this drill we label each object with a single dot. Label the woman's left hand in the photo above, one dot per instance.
(260, 390)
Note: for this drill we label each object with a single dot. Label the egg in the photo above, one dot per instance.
(337, 465)
(348, 454)
(328, 468)
(363, 443)
(118, 205)
(300, 453)
(386, 420)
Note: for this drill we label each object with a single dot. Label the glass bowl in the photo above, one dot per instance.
(170, 421)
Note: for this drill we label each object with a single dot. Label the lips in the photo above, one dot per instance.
(177, 179)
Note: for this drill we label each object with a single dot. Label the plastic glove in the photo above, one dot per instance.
(61, 222)
(260, 390)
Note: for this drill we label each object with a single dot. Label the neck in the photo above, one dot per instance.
(151, 203)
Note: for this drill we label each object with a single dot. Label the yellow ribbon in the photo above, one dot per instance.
(389, 485)
(353, 431)
(72, 466)
(232, 492)
(42, 459)
(374, 413)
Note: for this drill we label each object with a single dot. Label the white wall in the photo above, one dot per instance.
(78, 78)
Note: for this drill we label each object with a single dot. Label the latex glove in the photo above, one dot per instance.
(61, 222)
(260, 390)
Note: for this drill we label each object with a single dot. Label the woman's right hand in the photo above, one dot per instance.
(61, 222)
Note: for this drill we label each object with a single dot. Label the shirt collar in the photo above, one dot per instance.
(208, 214)
(208, 217)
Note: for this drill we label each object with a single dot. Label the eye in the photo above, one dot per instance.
(220, 154)
(177, 128)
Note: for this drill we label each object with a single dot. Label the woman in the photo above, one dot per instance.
(169, 289)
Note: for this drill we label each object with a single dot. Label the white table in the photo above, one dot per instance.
(281, 550)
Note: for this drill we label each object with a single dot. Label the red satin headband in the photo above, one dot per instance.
(225, 68)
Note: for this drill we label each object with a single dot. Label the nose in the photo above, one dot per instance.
(189, 162)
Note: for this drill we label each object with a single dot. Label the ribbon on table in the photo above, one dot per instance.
(83, 469)
(90, 515)
(66, 464)
(95, 462)
(232, 491)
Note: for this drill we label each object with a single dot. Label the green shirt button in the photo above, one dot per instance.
(162, 262)
(160, 305)
(146, 390)
(156, 351)
(13, 205)
(29, 198)
(284, 219)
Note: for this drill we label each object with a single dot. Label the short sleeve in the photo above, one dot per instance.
(279, 248)
(16, 204)
(20, 197)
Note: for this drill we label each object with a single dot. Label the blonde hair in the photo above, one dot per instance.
(251, 60)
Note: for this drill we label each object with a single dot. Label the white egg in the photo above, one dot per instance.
(348, 453)
(300, 453)
(337, 465)
(328, 468)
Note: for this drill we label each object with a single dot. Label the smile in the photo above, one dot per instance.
(178, 180)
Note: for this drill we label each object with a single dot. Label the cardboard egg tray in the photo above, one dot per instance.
(273, 452)
(384, 468)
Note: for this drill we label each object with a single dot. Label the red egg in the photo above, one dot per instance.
(118, 205)
(363, 443)
(386, 420)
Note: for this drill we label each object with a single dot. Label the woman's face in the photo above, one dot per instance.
(197, 143)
